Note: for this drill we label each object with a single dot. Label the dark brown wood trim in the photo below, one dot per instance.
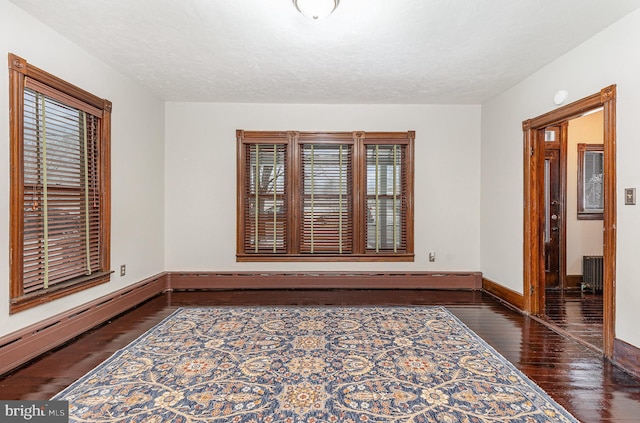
(239, 194)
(19, 347)
(325, 280)
(53, 293)
(531, 228)
(20, 65)
(608, 100)
(17, 66)
(400, 257)
(411, 191)
(503, 293)
(572, 110)
(627, 357)
(564, 137)
(533, 275)
(23, 345)
(105, 191)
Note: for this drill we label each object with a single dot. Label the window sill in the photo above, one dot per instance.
(401, 257)
(58, 291)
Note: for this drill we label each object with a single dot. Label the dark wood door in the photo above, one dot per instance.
(553, 215)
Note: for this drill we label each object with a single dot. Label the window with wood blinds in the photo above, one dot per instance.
(59, 187)
(313, 196)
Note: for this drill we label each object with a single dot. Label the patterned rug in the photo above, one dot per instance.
(309, 364)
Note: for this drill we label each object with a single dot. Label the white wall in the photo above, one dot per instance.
(584, 237)
(200, 172)
(137, 160)
(608, 58)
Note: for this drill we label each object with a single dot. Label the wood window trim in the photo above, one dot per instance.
(295, 138)
(582, 213)
(22, 74)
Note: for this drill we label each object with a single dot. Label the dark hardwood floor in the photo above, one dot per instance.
(579, 313)
(576, 376)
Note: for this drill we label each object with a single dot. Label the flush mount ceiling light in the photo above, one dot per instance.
(316, 9)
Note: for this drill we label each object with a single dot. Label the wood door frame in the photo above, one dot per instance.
(562, 243)
(533, 263)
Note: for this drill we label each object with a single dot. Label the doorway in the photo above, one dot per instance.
(535, 266)
(573, 227)
(555, 160)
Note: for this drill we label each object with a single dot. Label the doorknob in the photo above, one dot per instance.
(554, 217)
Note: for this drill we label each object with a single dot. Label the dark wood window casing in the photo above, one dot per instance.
(325, 196)
(60, 187)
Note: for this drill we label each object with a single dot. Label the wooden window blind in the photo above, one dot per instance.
(386, 197)
(60, 189)
(310, 196)
(265, 208)
(61, 199)
(326, 199)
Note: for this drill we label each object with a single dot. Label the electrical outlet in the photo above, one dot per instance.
(432, 256)
(123, 269)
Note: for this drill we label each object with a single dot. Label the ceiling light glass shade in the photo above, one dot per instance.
(316, 9)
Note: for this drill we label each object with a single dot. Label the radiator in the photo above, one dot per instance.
(592, 272)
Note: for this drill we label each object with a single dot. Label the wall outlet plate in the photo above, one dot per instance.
(123, 269)
(630, 196)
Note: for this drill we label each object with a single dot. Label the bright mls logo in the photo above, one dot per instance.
(34, 411)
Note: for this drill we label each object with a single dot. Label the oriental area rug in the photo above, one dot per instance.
(312, 365)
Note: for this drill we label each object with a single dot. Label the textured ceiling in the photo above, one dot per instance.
(368, 51)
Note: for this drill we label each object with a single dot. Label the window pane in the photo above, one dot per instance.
(265, 213)
(385, 197)
(593, 180)
(326, 199)
(61, 198)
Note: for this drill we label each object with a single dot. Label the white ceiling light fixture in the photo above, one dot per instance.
(316, 9)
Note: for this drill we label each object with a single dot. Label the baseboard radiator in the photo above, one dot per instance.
(592, 273)
(324, 280)
(25, 344)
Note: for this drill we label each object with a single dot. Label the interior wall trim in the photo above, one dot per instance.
(325, 280)
(573, 281)
(503, 293)
(627, 357)
(19, 347)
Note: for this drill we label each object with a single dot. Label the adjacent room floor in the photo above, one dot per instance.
(579, 313)
(575, 375)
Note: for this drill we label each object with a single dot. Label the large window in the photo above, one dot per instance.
(309, 196)
(59, 187)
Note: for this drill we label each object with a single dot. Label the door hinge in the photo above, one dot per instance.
(531, 151)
